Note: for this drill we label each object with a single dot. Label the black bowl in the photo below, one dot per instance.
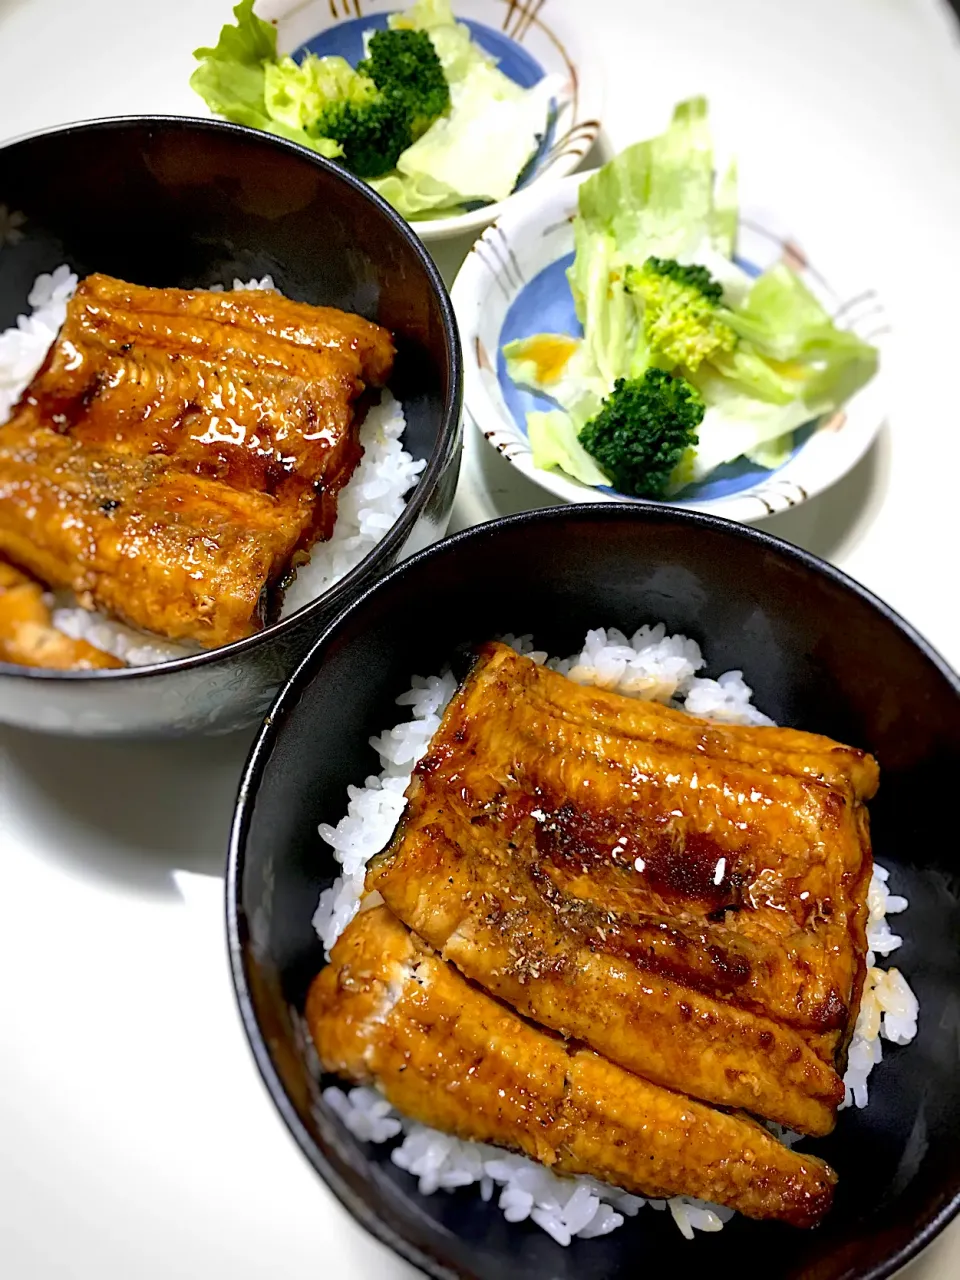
(820, 653)
(169, 201)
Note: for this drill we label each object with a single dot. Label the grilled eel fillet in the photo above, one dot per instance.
(687, 898)
(176, 449)
(387, 1010)
(28, 636)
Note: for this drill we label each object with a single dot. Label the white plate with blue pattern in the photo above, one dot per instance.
(513, 284)
(530, 39)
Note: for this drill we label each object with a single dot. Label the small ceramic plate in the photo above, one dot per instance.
(514, 284)
(530, 38)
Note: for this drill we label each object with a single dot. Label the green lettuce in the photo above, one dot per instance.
(660, 198)
(657, 197)
(250, 42)
(474, 152)
(241, 79)
(451, 39)
(296, 95)
(569, 378)
(737, 425)
(555, 446)
(477, 150)
(230, 77)
(784, 322)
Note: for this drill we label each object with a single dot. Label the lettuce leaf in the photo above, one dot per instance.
(739, 425)
(725, 217)
(779, 314)
(241, 79)
(555, 445)
(296, 95)
(249, 42)
(772, 453)
(784, 322)
(657, 197)
(746, 372)
(791, 363)
(233, 90)
(477, 150)
(604, 306)
(230, 77)
(451, 39)
(419, 197)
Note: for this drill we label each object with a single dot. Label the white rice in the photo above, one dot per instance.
(369, 505)
(649, 664)
(888, 1007)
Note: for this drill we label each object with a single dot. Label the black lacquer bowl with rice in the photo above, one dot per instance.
(820, 653)
(200, 203)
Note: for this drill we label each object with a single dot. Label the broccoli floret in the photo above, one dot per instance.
(690, 274)
(405, 63)
(407, 91)
(682, 315)
(642, 431)
(373, 133)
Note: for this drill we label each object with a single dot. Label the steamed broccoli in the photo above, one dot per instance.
(683, 320)
(405, 63)
(643, 430)
(407, 92)
(372, 133)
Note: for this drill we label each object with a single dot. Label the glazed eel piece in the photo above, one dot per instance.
(687, 898)
(390, 1012)
(177, 449)
(28, 637)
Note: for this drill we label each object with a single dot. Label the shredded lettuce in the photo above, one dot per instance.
(660, 198)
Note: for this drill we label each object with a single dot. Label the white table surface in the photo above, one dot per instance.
(135, 1138)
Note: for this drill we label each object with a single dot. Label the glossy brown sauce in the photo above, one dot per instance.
(177, 450)
(708, 892)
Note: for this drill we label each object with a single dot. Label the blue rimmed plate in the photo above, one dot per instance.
(529, 38)
(513, 284)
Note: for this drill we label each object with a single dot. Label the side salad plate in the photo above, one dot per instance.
(446, 110)
(634, 333)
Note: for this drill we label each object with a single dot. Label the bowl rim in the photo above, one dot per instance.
(490, 262)
(450, 414)
(268, 737)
